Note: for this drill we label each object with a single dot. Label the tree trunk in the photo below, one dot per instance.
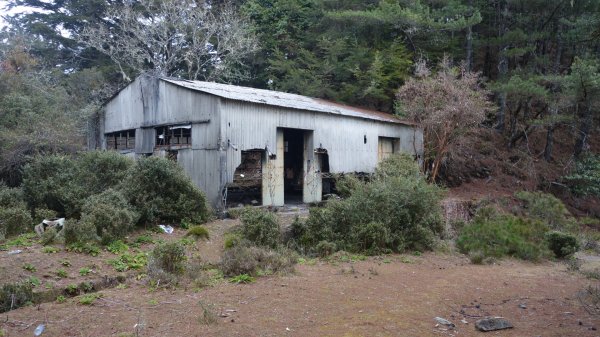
(584, 131)
(550, 134)
(502, 66)
(469, 58)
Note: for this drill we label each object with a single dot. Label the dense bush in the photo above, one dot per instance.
(398, 165)
(80, 232)
(546, 208)
(63, 183)
(11, 197)
(198, 232)
(253, 260)
(260, 227)
(395, 211)
(493, 234)
(101, 170)
(160, 190)
(13, 221)
(110, 214)
(166, 264)
(15, 295)
(562, 244)
(585, 178)
(168, 257)
(51, 182)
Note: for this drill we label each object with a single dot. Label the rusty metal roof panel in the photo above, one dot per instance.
(282, 99)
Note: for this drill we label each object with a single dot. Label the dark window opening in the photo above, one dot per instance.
(365, 139)
(178, 135)
(121, 140)
(246, 187)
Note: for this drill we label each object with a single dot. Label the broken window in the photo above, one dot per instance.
(387, 147)
(247, 179)
(121, 140)
(174, 135)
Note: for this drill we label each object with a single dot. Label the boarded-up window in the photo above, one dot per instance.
(120, 140)
(174, 135)
(387, 147)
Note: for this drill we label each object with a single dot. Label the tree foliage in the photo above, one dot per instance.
(446, 104)
(173, 38)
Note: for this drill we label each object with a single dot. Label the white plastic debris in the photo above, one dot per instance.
(167, 229)
(13, 252)
(39, 330)
(445, 322)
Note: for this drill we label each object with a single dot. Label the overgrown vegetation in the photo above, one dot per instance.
(260, 227)
(15, 295)
(254, 260)
(396, 211)
(160, 190)
(166, 263)
(492, 234)
(585, 178)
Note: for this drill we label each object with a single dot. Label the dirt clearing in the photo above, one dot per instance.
(386, 296)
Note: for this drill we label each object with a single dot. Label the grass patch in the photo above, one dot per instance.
(29, 267)
(128, 261)
(117, 247)
(253, 260)
(494, 235)
(242, 278)
(50, 250)
(198, 232)
(84, 271)
(89, 299)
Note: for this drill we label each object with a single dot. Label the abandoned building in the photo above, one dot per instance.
(247, 145)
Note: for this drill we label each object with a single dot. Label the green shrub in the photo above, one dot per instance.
(15, 295)
(546, 208)
(346, 184)
(99, 171)
(232, 240)
(63, 183)
(392, 214)
(49, 236)
(260, 227)
(128, 261)
(160, 190)
(87, 248)
(44, 213)
(562, 244)
(51, 182)
(373, 237)
(491, 234)
(167, 263)
(117, 247)
(243, 278)
(80, 232)
(110, 214)
(585, 178)
(198, 232)
(14, 221)
(11, 197)
(253, 260)
(325, 248)
(398, 165)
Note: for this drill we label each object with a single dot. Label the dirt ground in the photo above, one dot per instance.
(396, 295)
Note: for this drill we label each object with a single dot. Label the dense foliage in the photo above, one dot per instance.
(396, 211)
(160, 190)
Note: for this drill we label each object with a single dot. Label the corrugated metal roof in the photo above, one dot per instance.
(282, 99)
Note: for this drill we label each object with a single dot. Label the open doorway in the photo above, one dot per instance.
(293, 165)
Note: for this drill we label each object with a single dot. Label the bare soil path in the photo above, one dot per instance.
(386, 296)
